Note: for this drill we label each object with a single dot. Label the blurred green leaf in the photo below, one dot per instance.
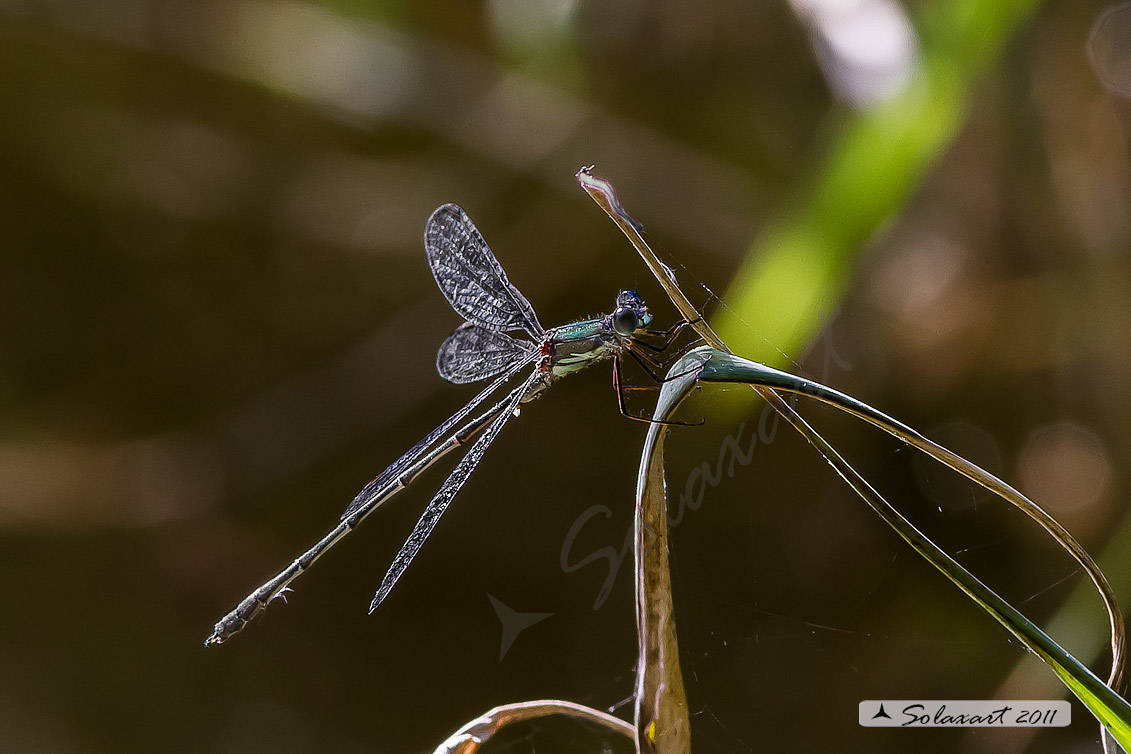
(798, 270)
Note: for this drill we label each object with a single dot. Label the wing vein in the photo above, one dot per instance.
(377, 487)
(447, 492)
(470, 276)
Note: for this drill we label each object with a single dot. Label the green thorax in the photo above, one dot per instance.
(577, 345)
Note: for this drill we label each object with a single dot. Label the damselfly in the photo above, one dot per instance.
(477, 288)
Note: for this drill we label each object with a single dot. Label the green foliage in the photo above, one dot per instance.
(798, 270)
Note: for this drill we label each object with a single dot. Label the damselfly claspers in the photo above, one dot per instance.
(477, 288)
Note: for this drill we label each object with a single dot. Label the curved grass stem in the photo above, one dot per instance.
(720, 365)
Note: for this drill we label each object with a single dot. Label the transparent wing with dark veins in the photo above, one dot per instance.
(447, 492)
(399, 466)
(474, 353)
(471, 278)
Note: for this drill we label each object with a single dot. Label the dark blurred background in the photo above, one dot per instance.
(217, 323)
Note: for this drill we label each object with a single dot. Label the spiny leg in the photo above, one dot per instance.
(670, 332)
(659, 365)
(668, 335)
(643, 358)
(624, 410)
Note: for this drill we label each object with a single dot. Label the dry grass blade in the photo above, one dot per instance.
(662, 722)
(602, 192)
(474, 734)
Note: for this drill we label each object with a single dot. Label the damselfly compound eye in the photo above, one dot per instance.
(629, 306)
(625, 321)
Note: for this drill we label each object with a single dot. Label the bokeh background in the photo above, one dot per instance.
(216, 324)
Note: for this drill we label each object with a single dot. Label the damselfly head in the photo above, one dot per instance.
(631, 313)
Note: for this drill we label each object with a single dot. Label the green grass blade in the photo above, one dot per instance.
(1110, 709)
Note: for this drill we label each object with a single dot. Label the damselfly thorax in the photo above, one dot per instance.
(570, 348)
